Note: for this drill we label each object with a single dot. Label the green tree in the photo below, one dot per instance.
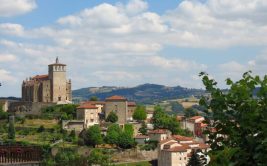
(93, 98)
(126, 141)
(93, 136)
(239, 117)
(11, 130)
(128, 128)
(194, 160)
(112, 117)
(143, 129)
(113, 134)
(161, 120)
(140, 113)
(189, 112)
(97, 157)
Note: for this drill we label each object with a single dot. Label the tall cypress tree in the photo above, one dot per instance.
(194, 160)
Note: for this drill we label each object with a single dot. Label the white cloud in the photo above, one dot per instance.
(6, 75)
(123, 44)
(11, 29)
(10, 8)
(7, 57)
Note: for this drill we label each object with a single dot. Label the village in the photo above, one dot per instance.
(130, 132)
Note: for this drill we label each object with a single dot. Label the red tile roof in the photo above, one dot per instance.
(166, 140)
(87, 106)
(177, 149)
(40, 77)
(131, 104)
(182, 138)
(141, 136)
(116, 98)
(95, 102)
(195, 117)
(158, 131)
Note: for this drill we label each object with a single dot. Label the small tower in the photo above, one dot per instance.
(57, 76)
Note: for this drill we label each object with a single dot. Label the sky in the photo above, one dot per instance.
(128, 43)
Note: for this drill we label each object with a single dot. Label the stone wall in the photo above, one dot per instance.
(28, 108)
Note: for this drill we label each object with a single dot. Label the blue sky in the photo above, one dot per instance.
(131, 42)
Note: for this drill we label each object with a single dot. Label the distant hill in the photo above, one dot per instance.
(145, 94)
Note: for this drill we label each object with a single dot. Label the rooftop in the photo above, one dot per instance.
(115, 98)
(87, 106)
(158, 131)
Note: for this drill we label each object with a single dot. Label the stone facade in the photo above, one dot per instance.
(53, 87)
(177, 150)
(89, 113)
(119, 105)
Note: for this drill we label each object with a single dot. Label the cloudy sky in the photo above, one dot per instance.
(126, 43)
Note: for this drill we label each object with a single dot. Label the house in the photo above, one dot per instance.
(176, 151)
(89, 113)
(121, 106)
(159, 134)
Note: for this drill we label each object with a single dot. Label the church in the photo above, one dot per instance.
(50, 88)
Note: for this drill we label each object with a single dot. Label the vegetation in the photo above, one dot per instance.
(237, 120)
(140, 113)
(189, 112)
(98, 157)
(112, 117)
(11, 130)
(126, 141)
(3, 115)
(113, 133)
(195, 160)
(151, 93)
(93, 136)
(93, 98)
(62, 112)
(143, 129)
(161, 120)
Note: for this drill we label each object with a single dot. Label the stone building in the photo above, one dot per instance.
(50, 88)
(121, 107)
(89, 112)
(176, 151)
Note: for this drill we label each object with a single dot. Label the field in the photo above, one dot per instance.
(142, 163)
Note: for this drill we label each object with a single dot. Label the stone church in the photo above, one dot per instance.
(51, 88)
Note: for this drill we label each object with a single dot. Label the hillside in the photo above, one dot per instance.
(146, 93)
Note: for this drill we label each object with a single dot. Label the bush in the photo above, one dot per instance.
(41, 129)
(112, 117)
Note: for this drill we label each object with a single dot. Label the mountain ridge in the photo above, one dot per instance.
(143, 94)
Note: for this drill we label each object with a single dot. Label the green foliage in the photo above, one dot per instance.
(143, 129)
(11, 130)
(98, 157)
(126, 141)
(194, 160)
(68, 157)
(93, 136)
(241, 116)
(113, 134)
(63, 112)
(128, 128)
(140, 113)
(3, 115)
(161, 120)
(190, 112)
(177, 108)
(93, 98)
(41, 129)
(112, 117)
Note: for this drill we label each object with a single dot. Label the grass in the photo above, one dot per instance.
(36, 123)
(142, 163)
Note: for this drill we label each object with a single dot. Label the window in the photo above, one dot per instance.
(180, 158)
(185, 158)
(59, 98)
(92, 120)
